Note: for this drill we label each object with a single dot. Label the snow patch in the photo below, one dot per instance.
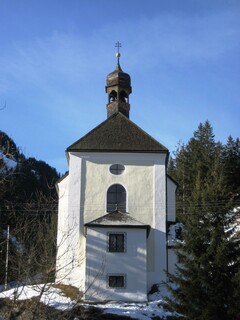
(10, 164)
(55, 298)
(138, 311)
(174, 234)
(51, 296)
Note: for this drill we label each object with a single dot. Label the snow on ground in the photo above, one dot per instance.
(51, 296)
(55, 298)
(140, 311)
(9, 163)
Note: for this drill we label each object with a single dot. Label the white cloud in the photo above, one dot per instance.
(60, 78)
(166, 38)
(181, 39)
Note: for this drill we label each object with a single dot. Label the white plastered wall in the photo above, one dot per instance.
(89, 179)
(171, 217)
(171, 200)
(101, 263)
(157, 237)
(62, 239)
(70, 258)
(137, 179)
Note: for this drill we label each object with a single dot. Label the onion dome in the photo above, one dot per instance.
(118, 77)
(118, 89)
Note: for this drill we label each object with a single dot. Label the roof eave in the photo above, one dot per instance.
(116, 150)
(121, 226)
(100, 225)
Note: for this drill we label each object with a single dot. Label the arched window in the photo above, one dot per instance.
(116, 198)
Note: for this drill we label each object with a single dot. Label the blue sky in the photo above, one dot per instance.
(183, 58)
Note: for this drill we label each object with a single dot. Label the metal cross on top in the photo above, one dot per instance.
(118, 45)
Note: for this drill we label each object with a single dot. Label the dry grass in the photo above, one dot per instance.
(70, 291)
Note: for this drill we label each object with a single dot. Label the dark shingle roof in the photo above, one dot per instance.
(117, 134)
(117, 219)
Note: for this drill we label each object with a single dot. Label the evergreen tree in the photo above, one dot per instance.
(178, 169)
(193, 162)
(207, 276)
(231, 163)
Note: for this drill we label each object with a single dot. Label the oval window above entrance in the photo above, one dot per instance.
(117, 169)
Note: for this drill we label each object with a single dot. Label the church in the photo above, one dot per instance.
(116, 204)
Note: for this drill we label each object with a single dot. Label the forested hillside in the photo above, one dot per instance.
(27, 206)
(208, 201)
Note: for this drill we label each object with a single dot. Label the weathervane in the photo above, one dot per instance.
(118, 45)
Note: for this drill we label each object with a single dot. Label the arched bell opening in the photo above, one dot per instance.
(123, 96)
(112, 96)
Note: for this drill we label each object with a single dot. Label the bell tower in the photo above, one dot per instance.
(118, 89)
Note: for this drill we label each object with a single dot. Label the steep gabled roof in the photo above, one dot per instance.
(117, 134)
(117, 219)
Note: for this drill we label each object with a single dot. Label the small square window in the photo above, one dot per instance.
(116, 281)
(116, 242)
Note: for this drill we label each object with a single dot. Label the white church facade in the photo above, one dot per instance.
(115, 206)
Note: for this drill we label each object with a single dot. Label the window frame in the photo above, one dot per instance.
(124, 234)
(123, 275)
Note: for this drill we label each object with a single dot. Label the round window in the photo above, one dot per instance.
(117, 169)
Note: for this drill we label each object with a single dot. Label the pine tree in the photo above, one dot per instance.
(209, 261)
(192, 162)
(231, 163)
(181, 175)
(207, 276)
